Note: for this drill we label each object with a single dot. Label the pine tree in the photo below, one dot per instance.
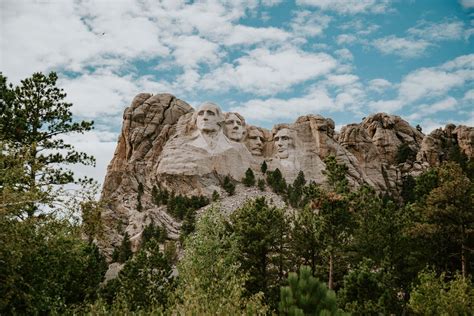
(276, 181)
(33, 116)
(261, 184)
(306, 242)
(449, 213)
(335, 220)
(215, 196)
(146, 281)
(228, 185)
(210, 279)
(139, 197)
(264, 167)
(435, 296)
(336, 175)
(124, 251)
(262, 233)
(295, 193)
(306, 295)
(249, 179)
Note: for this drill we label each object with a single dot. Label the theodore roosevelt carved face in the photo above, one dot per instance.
(234, 127)
(255, 141)
(208, 118)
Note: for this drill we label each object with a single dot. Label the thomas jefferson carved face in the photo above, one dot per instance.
(234, 128)
(283, 142)
(208, 118)
(255, 142)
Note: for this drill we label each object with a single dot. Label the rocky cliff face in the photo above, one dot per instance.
(165, 142)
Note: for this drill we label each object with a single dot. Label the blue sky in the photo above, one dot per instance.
(270, 60)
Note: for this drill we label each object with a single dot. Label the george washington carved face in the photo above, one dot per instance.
(208, 118)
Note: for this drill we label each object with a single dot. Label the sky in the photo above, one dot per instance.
(270, 60)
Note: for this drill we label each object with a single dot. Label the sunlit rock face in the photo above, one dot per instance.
(164, 141)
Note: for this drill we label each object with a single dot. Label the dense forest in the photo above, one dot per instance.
(334, 250)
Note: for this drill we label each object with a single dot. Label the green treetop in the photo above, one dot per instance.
(34, 116)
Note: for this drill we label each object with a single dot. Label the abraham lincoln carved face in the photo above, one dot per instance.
(283, 143)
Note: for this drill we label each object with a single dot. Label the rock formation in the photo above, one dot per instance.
(165, 142)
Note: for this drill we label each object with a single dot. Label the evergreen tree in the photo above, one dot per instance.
(335, 225)
(153, 232)
(305, 239)
(210, 280)
(146, 280)
(228, 185)
(33, 116)
(295, 192)
(435, 296)
(264, 167)
(46, 266)
(261, 231)
(91, 220)
(215, 196)
(139, 197)
(249, 179)
(276, 181)
(306, 295)
(261, 184)
(448, 214)
(124, 251)
(366, 291)
(336, 175)
(159, 195)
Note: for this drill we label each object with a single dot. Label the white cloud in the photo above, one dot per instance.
(271, 3)
(379, 85)
(54, 35)
(359, 26)
(247, 35)
(101, 145)
(264, 71)
(104, 92)
(403, 47)
(424, 110)
(344, 54)
(346, 39)
(341, 80)
(348, 6)
(272, 109)
(309, 24)
(467, 4)
(428, 83)
(389, 106)
(469, 96)
(189, 51)
(448, 30)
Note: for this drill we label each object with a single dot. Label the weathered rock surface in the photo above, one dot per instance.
(165, 141)
(438, 145)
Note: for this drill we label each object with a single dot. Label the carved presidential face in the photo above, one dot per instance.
(208, 118)
(255, 142)
(283, 142)
(234, 128)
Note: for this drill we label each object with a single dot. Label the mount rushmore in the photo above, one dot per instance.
(165, 141)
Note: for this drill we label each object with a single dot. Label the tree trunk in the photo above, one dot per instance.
(463, 255)
(331, 270)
